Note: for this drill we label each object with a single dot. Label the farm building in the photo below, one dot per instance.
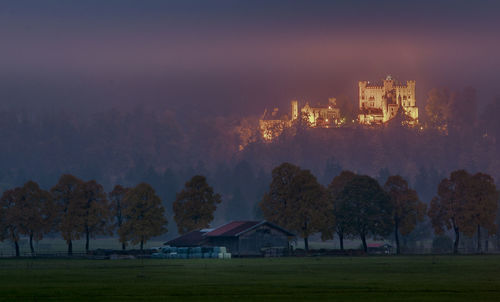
(380, 248)
(191, 239)
(241, 238)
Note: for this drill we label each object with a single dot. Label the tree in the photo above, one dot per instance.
(438, 108)
(11, 216)
(116, 197)
(71, 208)
(97, 214)
(407, 207)
(38, 211)
(341, 224)
(481, 206)
(447, 208)
(465, 203)
(144, 216)
(296, 201)
(367, 208)
(195, 205)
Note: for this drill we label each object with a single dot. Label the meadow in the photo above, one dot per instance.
(373, 278)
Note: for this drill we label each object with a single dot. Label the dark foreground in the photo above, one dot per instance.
(417, 278)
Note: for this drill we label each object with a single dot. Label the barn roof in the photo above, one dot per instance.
(193, 238)
(233, 228)
(236, 228)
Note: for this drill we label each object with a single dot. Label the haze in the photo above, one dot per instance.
(227, 57)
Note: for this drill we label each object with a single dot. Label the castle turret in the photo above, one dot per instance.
(362, 86)
(295, 110)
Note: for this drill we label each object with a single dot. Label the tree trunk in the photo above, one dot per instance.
(365, 247)
(123, 246)
(142, 244)
(479, 249)
(457, 238)
(396, 235)
(486, 241)
(87, 241)
(16, 244)
(31, 244)
(306, 243)
(341, 239)
(70, 248)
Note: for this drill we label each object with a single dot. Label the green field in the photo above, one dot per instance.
(389, 278)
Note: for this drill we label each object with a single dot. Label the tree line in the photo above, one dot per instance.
(79, 209)
(351, 206)
(357, 206)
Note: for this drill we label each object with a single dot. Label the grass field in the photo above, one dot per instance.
(418, 278)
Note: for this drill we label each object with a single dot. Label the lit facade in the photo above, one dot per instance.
(272, 124)
(379, 103)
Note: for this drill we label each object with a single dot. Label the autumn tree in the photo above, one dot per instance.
(438, 108)
(448, 207)
(195, 205)
(481, 206)
(97, 215)
(408, 210)
(11, 216)
(143, 215)
(452, 110)
(71, 208)
(38, 210)
(296, 201)
(341, 224)
(367, 208)
(116, 197)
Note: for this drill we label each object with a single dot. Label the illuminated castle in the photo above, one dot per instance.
(320, 116)
(380, 103)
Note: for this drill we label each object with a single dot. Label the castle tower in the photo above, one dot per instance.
(362, 86)
(380, 103)
(295, 110)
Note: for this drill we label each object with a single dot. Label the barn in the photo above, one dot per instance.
(241, 238)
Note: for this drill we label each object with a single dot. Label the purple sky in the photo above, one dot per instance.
(245, 55)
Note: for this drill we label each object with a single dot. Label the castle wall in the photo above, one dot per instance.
(385, 99)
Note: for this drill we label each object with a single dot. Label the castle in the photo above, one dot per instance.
(327, 116)
(378, 104)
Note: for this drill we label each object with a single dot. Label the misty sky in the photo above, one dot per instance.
(221, 57)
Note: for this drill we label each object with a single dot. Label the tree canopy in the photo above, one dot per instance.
(195, 205)
(144, 215)
(465, 203)
(116, 207)
(71, 206)
(97, 216)
(11, 214)
(408, 210)
(39, 212)
(367, 208)
(296, 201)
(341, 224)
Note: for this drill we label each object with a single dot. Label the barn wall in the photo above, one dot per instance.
(231, 243)
(250, 243)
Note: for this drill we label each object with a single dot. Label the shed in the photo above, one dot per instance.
(191, 239)
(241, 238)
(249, 238)
(379, 248)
